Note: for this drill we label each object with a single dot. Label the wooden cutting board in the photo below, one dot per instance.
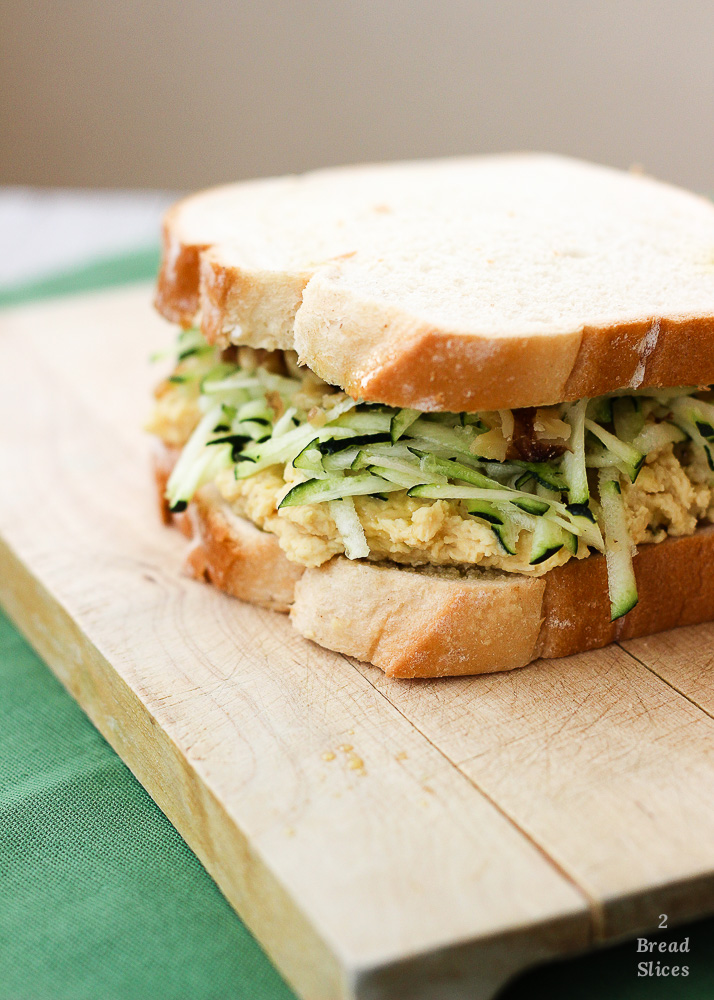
(382, 839)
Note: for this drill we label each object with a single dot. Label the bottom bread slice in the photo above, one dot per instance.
(441, 621)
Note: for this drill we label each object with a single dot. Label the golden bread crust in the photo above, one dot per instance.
(439, 622)
(226, 550)
(245, 279)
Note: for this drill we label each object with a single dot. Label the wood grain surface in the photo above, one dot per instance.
(381, 838)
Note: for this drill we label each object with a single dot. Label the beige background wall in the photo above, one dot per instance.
(183, 94)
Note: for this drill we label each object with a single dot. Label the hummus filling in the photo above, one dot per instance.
(671, 494)
(664, 500)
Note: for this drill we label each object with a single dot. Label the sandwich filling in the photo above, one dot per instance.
(521, 491)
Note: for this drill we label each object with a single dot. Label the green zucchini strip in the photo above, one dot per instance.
(350, 528)
(622, 585)
(335, 488)
(252, 420)
(574, 471)
(625, 453)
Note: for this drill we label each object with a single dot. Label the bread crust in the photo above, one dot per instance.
(675, 584)
(418, 366)
(417, 624)
(177, 289)
(421, 367)
(228, 551)
(385, 354)
(438, 623)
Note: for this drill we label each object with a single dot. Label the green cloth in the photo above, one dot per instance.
(137, 265)
(101, 899)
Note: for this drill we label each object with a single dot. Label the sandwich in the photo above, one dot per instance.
(452, 415)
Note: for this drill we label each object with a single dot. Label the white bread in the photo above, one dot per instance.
(227, 550)
(440, 622)
(475, 283)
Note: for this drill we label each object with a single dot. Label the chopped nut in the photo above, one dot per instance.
(332, 398)
(507, 423)
(317, 417)
(491, 445)
(247, 359)
(547, 424)
(275, 402)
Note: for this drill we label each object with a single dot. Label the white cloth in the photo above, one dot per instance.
(44, 231)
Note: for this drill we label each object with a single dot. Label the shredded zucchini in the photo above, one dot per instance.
(350, 528)
(254, 419)
(618, 545)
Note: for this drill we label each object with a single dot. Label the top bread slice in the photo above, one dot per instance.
(458, 284)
